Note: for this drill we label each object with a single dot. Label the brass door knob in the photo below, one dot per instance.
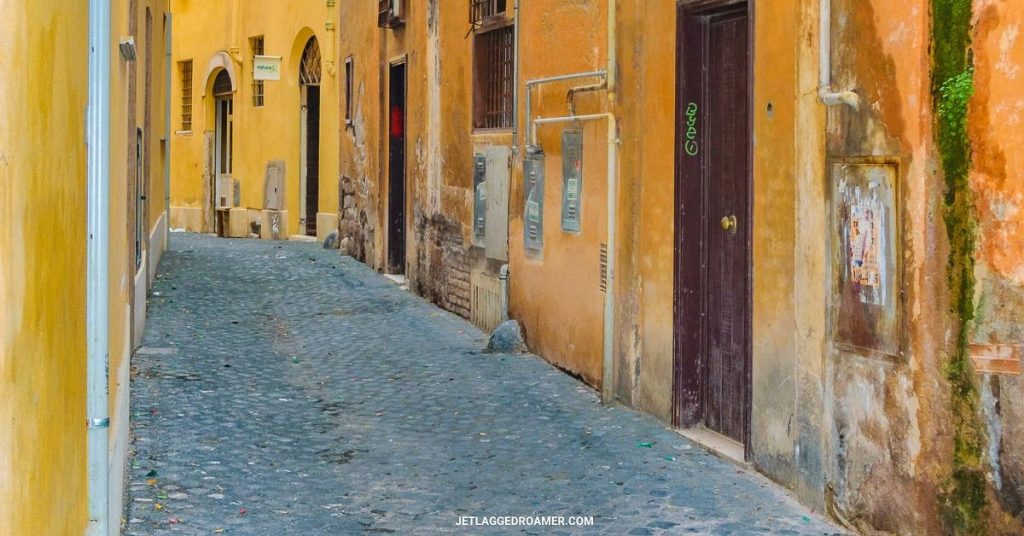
(729, 223)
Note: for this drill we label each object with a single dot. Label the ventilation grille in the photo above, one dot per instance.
(485, 309)
(603, 260)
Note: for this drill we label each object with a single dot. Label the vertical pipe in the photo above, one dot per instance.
(825, 93)
(611, 78)
(515, 87)
(608, 363)
(168, 70)
(98, 264)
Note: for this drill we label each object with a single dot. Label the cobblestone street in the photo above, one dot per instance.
(285, 389)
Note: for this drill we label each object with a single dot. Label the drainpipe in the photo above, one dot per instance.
(97, 319)
(168, 41)
(825, 93)
(503, 278)
(515, 88)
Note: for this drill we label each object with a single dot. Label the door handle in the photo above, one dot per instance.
(729, 223)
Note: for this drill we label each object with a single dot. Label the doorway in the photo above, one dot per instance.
(223, 139)
(396, 169)
(309, 134)
(713, 290)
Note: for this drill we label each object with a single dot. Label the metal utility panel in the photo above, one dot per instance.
(498, 173)
(479, 199)
(572, 179)
(533, 211)
(865, 257)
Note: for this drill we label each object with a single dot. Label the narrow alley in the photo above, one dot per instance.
(284, 389)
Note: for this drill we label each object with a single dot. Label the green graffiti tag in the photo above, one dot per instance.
(690, 146)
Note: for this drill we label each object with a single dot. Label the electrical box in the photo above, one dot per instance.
(572, 179)
(533, 192)
(865, 257)
(479, 198)
(497, 178)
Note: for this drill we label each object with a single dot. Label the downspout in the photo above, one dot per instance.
(515, 88)
(97, 316)
(611, 79)
(168, 63)
(329, 29)
(825, 93)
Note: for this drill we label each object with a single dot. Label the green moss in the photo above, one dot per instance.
(963, 499)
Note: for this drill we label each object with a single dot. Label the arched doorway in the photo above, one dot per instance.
(309, 135)
(223, 139)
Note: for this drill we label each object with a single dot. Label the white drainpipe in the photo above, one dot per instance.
(825, 93)
(97, 266)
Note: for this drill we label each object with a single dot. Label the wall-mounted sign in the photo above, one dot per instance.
(266, 68)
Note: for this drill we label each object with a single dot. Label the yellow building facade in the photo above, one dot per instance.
(43, 475)
(233, 135)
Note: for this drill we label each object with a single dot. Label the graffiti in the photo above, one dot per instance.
(690, 146)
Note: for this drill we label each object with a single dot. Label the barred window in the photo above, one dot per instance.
(481, 9)
(493, 72)
(256, 43)
(185, 67)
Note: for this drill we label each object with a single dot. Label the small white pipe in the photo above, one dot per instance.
(825, 93)
(97, 268)
(530, 84)
(503, 278)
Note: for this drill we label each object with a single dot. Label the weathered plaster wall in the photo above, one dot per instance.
(995, 122)
(261, 134)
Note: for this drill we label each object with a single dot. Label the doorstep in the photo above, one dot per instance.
(715, 443)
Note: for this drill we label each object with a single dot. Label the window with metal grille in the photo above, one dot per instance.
(185, 68)
(257, 85)
(481, 9)
(390, 13)
(493, 73)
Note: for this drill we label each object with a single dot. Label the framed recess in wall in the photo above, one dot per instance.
(867, 282)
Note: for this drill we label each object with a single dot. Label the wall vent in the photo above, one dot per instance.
(603, 261)
(485, 307)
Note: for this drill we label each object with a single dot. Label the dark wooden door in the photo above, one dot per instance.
(396, 170)
(713, 262)
(312, 157)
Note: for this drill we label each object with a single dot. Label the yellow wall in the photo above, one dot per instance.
(43, 263)
(261, 134)
(42, 259)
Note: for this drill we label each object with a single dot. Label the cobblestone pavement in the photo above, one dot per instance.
(285, 389)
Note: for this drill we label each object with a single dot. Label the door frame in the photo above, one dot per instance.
(219, 101)
(399, 62)
(689, 227)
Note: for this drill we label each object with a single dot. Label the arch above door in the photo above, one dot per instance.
(220, 60)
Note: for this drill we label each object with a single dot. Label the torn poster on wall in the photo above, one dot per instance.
(865, 267)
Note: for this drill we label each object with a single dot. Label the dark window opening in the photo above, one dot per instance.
(349, 90)
(482, 9)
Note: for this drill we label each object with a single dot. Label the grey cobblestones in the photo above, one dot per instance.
(284, 389)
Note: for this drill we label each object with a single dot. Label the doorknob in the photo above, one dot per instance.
(729, 223)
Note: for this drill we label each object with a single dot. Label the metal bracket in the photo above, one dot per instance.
(99, 423)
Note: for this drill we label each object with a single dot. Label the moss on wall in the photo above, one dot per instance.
(963, 500)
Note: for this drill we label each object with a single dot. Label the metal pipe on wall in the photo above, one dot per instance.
(825, 93)
(97, 316)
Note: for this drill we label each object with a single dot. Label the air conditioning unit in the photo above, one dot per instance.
(390, 13)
